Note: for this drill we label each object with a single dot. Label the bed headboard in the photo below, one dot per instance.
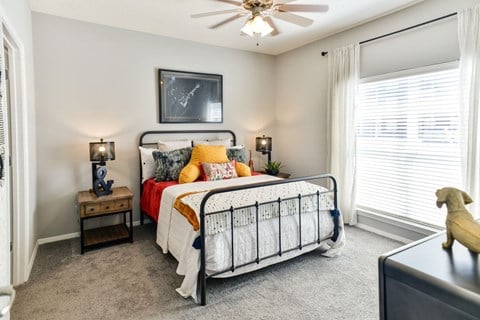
(150, 138)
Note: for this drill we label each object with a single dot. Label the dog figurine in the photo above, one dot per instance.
(460, 224)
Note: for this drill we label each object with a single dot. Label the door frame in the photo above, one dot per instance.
(22, 253)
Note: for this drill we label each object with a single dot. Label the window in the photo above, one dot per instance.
(408, 143)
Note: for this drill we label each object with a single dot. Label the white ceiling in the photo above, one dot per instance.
(171, 18)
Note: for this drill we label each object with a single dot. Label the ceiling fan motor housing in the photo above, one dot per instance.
(252, 5)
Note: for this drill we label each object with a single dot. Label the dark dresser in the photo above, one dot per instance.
(423, 281)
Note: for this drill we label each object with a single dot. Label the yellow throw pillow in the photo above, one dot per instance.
(189, 173)
(242, 169)
(210, 154)
(202, 153)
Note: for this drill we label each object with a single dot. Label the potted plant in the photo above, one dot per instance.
(273, 167)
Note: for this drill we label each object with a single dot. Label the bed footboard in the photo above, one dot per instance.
(200, 242)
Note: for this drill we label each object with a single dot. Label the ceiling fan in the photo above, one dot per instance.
(261, 12)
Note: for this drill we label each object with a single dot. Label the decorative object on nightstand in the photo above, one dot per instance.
(99, 153)
(273, 167)
(264, 145)
(119, 201)
(250, 161)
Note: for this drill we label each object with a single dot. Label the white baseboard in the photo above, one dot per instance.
(30, 263)
(393, 228)
(58, 238)
(383, 233)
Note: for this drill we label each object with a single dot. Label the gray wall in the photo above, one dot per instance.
(100, 82)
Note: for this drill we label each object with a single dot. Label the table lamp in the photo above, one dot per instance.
(264, 145)
(99, 153)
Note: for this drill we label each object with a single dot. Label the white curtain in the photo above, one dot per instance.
(469, 41)
(342, 100)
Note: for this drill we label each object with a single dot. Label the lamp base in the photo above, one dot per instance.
(269, 157)
(99, 186)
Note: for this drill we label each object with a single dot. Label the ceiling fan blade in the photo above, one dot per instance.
(214, 13)
(303, 7)
(221, 23)
(270, 22)
(235, 3)
(293, 18)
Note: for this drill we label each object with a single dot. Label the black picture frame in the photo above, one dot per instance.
(190, 97)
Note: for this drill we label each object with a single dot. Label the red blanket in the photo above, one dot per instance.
(151, 196)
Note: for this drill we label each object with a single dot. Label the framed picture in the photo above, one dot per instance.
(190, 97)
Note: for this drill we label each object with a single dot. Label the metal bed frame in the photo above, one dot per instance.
(200, 241)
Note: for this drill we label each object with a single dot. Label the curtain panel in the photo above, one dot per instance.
(344, 66)
(469, 42)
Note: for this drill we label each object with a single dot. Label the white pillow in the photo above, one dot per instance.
(218, 142)
(165, 146)
(148, 163)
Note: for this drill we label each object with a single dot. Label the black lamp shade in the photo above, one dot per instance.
(263, 144)
(102, 151)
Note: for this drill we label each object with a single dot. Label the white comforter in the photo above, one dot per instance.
(176, 235)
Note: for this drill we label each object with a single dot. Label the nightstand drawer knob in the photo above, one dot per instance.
(92, 209)
(107, 207)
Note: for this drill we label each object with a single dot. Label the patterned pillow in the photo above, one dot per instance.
(169, 164)
(237, 153)
(219, 171)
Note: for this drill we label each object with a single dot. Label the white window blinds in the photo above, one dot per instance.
(408, 144)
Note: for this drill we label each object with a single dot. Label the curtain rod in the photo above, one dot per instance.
(324, 53)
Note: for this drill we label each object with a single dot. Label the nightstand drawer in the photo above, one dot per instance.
(92, 209)
(122, 204)
(108, 205)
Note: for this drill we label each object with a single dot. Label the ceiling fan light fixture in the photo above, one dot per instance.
(257, 25)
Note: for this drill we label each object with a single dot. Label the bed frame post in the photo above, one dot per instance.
(202, 276)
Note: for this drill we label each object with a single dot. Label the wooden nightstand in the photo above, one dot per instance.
(283, 175)
(91, 206)
(280, 174)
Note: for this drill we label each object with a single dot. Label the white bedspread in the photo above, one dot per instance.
(176, 235)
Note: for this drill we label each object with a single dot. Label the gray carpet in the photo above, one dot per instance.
(137, 281)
